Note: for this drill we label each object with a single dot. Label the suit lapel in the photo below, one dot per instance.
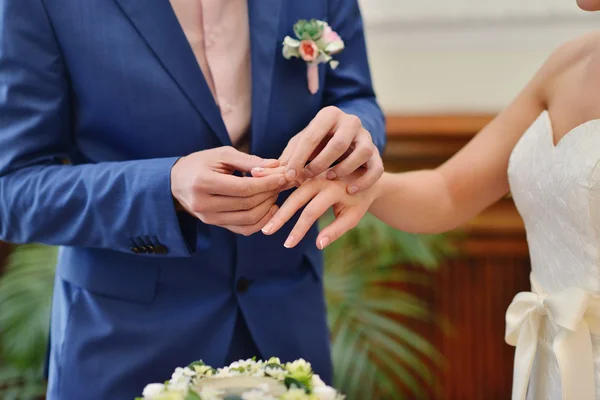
(265, 45)
(157, 23)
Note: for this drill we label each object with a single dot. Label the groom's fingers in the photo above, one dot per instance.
(227, 203)
(248, 218)
(235, 186)
(336, 147)
(374, 171)
(244, 162)
(363, 151)
(310, 138)
(288, 151)
(249, 230)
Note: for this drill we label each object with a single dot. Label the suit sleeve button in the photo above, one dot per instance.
(135, 250)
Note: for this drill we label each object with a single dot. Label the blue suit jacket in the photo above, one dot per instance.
(113, 87)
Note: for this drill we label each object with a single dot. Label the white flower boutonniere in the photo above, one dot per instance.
(315, 43)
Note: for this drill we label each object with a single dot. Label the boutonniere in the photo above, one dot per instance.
(315, 43)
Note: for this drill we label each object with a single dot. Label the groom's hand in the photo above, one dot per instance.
(203, 184)
(333, 136)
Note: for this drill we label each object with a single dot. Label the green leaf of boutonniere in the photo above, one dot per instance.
(308, 30)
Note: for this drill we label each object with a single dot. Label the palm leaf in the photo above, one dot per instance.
(347, 338)
(375, 353)
(361, 364)
(25, 297)
(398, 372)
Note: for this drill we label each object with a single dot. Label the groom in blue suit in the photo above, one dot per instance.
(113, 147)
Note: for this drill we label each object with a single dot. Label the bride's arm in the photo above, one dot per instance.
(431, 201)
(476, 177)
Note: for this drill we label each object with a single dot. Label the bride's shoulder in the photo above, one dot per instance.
(563, 60)
(570, 54)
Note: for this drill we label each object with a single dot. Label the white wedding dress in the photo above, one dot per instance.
(555, 327)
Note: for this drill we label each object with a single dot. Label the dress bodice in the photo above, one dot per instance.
(557, 192)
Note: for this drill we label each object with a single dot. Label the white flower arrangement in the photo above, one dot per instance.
(243, 380)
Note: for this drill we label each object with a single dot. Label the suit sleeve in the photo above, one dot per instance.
(349, 86)
(122, 206)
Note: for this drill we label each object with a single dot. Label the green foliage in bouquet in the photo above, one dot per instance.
(375, 353)
(25, 298)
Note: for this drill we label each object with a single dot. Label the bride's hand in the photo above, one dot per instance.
(318, 194)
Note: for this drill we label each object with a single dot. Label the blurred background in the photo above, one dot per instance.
(442, 70)
(412, 317)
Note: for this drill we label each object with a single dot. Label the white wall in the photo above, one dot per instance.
(463, 55)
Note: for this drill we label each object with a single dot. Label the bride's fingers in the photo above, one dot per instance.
(345, 221)
(296, 201)
(259, 172)
(313, 211)
(270, 163)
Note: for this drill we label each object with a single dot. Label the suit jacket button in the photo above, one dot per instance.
(144, 249)
(150, 249)
(242, 285)
(135, 250)
(160, 249)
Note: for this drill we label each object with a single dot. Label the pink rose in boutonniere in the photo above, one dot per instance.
(308, 50)
(315, 43)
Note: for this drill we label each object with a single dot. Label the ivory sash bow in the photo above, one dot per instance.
(576, 314)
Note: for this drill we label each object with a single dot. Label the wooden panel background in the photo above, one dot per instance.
(472, 291)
